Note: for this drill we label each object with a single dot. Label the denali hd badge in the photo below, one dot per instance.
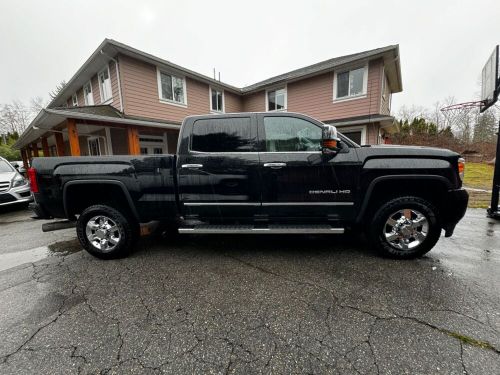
(329, 192)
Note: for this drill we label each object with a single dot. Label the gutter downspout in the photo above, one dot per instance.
(117, 78)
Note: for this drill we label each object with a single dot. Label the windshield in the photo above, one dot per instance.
(5, 167)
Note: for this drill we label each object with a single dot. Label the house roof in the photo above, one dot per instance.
(325, 66)
(109, 48)
(48, 118)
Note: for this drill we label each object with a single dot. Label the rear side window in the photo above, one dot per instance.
(223, 135)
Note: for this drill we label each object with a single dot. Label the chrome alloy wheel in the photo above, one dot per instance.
(103, 233)
(406, 229)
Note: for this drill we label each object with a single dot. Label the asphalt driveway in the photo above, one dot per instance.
(267, 304)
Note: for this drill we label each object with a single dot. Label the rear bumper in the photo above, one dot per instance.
(453, 209)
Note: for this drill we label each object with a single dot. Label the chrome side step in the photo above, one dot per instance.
(269, 229)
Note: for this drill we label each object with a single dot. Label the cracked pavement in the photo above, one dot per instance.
(237, 304)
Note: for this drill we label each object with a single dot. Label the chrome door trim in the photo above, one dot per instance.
(308, 204)
(192, 166)
(194, 204)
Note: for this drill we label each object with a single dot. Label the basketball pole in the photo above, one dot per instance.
(494, 211)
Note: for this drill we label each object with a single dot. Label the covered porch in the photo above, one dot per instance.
(94, 131)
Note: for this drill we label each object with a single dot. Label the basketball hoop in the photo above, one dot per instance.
(465, 105)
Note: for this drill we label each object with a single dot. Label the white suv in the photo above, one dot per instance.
(14, 188)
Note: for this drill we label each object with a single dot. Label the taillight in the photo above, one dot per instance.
(461, 168)
(33, 181)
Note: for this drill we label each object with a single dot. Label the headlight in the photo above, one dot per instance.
(19, 181)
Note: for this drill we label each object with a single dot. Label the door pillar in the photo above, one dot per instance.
(45, 147)
(133, 141)
(74, 142)
(59, 144)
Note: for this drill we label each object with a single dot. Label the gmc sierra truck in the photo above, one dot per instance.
(257, 173)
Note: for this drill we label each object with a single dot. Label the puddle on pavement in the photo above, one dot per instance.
(18, 258)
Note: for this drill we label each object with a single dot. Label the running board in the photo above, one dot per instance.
(270, 229)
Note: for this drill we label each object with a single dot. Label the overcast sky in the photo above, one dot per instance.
(443, 44)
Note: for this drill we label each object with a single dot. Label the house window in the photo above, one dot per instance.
(276, 100)
(350, 83)
(87, 94)
(94, 146)
(105, 85)
(74, 100)
(216, 100)
(171, 88)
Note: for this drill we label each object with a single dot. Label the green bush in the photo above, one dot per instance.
(6, 150)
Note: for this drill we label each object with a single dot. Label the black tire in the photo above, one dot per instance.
(378, 227)
(125, 230)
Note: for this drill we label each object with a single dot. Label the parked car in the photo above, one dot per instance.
(258, 173)
(14, 188)
(19, 165)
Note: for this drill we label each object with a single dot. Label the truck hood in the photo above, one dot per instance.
(406, 151)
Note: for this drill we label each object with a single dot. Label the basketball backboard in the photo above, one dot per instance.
(490, 81)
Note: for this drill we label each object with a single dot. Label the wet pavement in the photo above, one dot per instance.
(235, 304)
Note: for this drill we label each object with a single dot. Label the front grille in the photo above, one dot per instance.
(4, 186)
(6, 198)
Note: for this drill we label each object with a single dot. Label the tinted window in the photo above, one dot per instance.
(291, 134)
(223, 135)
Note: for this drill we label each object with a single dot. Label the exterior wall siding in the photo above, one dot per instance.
(255, 102)
(314, 96)
(234, 102)
(115, 88)
(385, 99)
(140, 89)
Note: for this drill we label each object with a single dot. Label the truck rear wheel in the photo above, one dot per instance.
(105, 232)
(405, 228)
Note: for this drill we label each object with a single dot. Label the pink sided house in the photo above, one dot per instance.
(125, 101)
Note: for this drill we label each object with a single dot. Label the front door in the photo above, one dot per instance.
(218, 169)
(298, 181)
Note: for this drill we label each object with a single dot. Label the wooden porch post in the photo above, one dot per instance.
(28, 152)
(59, 144)
(25, 158)
(45, 147)
(133, 141)
(74, 143)
(34, 147)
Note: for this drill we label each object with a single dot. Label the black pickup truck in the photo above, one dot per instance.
(258, 173)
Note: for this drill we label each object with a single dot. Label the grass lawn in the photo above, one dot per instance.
(478, 176)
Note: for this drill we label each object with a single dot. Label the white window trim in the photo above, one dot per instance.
(352, 97)
(223, 100)
(278, 88)
(98, 142)
(109, 143)
(109, 100)
(91, 91)
(168, 101)
(74, 98)
(348, 129)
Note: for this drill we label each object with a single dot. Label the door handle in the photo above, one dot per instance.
(275, 165)
(192, 166)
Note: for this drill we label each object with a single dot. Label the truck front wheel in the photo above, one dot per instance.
(405, 228)
(105, 232)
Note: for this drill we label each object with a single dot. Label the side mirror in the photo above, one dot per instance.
(330, 140)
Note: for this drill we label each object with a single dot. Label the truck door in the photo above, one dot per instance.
(298, 181)
(218, 168)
